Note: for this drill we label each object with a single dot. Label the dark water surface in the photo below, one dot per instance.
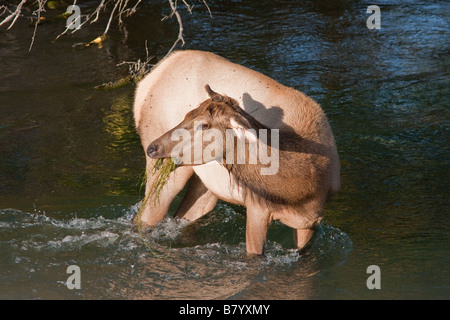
(71, 162)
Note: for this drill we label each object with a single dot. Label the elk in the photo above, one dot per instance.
(177, 95)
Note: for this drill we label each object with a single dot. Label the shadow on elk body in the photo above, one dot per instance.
(307, 168)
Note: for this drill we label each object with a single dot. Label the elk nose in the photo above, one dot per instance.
(151, 150)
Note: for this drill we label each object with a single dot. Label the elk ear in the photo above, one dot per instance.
(242, 129)
(217, 97)
(210, 92)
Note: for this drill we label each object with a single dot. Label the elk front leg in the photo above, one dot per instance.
(155, 210)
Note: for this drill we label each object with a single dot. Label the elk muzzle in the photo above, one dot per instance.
(153, 150)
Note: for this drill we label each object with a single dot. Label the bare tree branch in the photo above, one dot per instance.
(207, 7)
(188, 6)
(180, 25)
(138, 68)
(121, 8)
(68, 27)
(112, 15)
(133, 10)
(38, 12)
(97, 11)
(14, 15)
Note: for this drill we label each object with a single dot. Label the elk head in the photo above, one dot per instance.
(204, 134)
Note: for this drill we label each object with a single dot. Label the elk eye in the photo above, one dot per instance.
(203, 126)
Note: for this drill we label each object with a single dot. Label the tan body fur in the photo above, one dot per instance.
(309, 166)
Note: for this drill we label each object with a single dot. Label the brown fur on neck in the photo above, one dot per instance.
(295, 173)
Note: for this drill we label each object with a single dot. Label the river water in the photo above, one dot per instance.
(71, 163)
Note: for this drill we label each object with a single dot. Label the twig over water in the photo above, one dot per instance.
(121, 8)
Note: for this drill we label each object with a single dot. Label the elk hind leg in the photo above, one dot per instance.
(302, 237)
(197, 201)
(302, 219)
(258, 221)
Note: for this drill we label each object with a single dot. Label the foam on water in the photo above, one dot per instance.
(168, 229)
(38, 243)
(74, 233)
